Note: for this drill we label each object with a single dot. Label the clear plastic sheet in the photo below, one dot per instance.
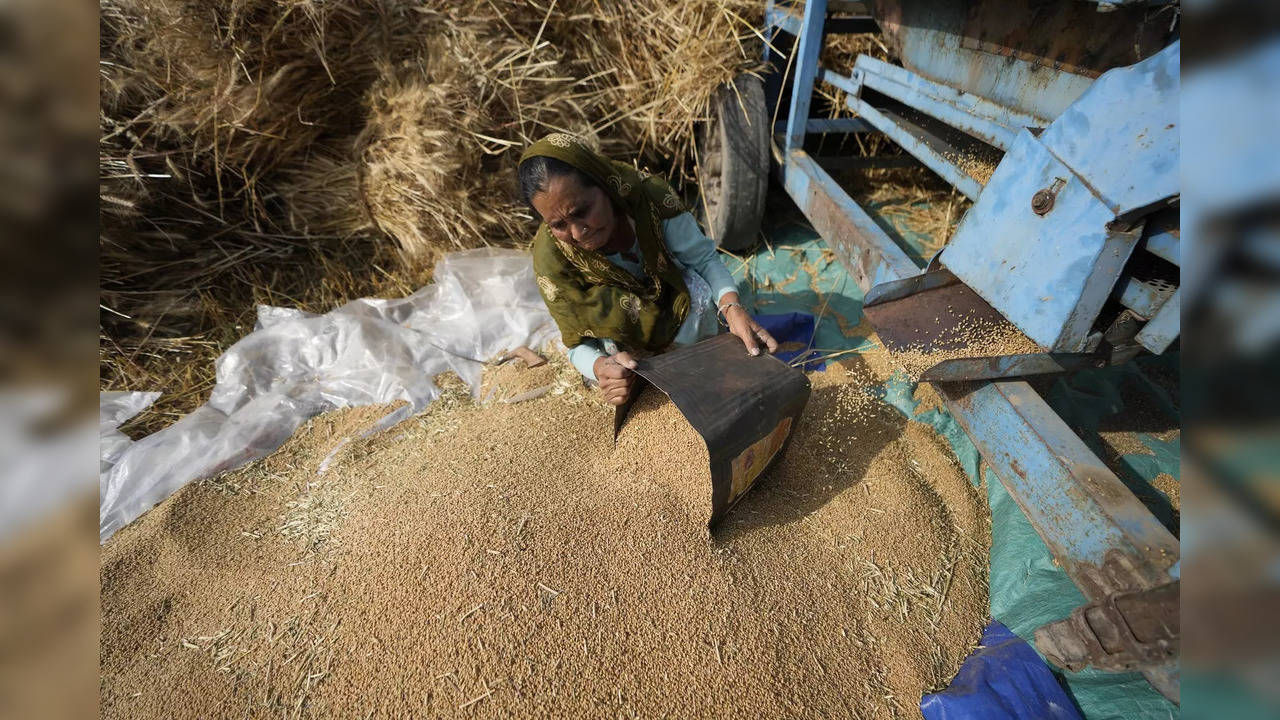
(295, 365)
(114, 408)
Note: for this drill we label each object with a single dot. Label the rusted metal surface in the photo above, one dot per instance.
(1129, 630)
(861, 245)
(1000, 367)
(1066, 36)
(1043, 200)
(927, 35)
(1084, 513)
(926, 320)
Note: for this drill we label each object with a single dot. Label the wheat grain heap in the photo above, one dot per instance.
(508, 560)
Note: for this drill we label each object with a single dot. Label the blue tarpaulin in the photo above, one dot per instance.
(1004, 679)
(793, 327)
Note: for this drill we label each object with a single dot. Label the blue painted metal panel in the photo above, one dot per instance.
(1049, 274)
(1121, 136)
(1163, 243)
(804, 71)
(1080, 508)
(847, 84)
(1163, 329)
(932, 47)
(977, 116)
(1143, 298)
(863, 248)
(913, 144)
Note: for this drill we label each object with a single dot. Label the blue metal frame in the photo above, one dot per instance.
(851, 85)
(979, 117)
(805, 69)
(864, 249)
(778, 17)
(994, 124)
(1081, 509)
(914, 141)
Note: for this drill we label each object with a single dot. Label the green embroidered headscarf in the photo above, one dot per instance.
(590, 297)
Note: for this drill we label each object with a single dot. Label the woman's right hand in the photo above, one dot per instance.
(617, 382)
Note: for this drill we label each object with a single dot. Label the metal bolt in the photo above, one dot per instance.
(1042, 202)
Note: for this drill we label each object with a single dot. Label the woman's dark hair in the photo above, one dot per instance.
(538, 170)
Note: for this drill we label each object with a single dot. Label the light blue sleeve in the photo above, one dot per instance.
(697, 252)
(584, 357)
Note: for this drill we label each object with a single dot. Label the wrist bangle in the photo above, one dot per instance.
(726, 306)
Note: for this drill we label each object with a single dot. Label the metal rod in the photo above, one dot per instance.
(815, 13)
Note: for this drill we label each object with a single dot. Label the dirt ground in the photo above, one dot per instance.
(508, 560)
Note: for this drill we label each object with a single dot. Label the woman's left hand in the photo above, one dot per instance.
(747, 329)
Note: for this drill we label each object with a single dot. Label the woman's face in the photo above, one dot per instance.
(580, 216)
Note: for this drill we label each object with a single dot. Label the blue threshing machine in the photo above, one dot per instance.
(1074, 240)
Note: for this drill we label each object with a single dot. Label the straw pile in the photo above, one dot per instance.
(504, 560)
(265, 151)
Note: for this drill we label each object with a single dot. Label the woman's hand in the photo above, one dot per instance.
(617, 382)
(747, 329)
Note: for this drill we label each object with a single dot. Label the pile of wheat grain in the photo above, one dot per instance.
(509, 560)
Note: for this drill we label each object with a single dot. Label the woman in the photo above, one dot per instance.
(622, 266)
